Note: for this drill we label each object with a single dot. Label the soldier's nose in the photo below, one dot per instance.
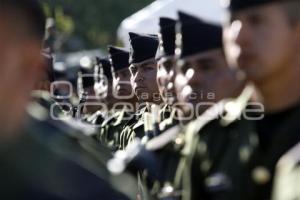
(242, 35)
(139, 77)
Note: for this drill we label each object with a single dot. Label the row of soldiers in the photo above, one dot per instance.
(199, 111)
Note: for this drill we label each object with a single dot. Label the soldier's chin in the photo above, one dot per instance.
(142, 93)
(170, 100)
(252, 73)
(139, 95)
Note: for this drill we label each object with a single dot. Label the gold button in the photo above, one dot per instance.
(261, 175)
(179, 141)
(167, 189)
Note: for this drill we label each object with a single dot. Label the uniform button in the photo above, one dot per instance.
(167, 189)
(261, 175)
(179, 142)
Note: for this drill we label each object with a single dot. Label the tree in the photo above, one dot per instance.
(91, 22)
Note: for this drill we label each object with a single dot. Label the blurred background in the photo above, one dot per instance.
(77, 31)
(89, 24)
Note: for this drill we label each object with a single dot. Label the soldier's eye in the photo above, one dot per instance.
(125, 73)
(206, 65)
(167, 65)
(133, 70)
(148, 68)
(255, 19)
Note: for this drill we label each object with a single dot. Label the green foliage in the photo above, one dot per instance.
(95, 22)
(64, 22)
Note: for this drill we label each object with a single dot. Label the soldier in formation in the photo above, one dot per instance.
(199, 111)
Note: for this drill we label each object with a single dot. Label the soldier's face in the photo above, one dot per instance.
(103, 89)
(122, 85)
(204, 78)
(165, 79)
(109, 98)
(261, 41)
(143, 78)
(20, 59)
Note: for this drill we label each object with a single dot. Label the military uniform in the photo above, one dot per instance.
(97, 118)
(102, 69)
(284, 128)
(248, 172)
(133, 128)
(277, 132)
(169, 118)
(231, 160)
(52, 160)
(287, 176)
(138, 54)
(166, 50)
(204, 159)
(109, 133)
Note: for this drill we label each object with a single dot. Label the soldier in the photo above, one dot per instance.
(203, 78)
(189, 161)
(40, 157)
(203, 74)
(86, 93)
(103, 88)
(125, 107)
(42, 90)
(166, 72)
(143, 77)
(119, 58)
(266, 35)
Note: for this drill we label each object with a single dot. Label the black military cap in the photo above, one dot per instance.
(59, 74)
(236, 5)
(142, 47)
(167, 35)
(196, 36)
(87, 76)
(119, 58)
(105, 66)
